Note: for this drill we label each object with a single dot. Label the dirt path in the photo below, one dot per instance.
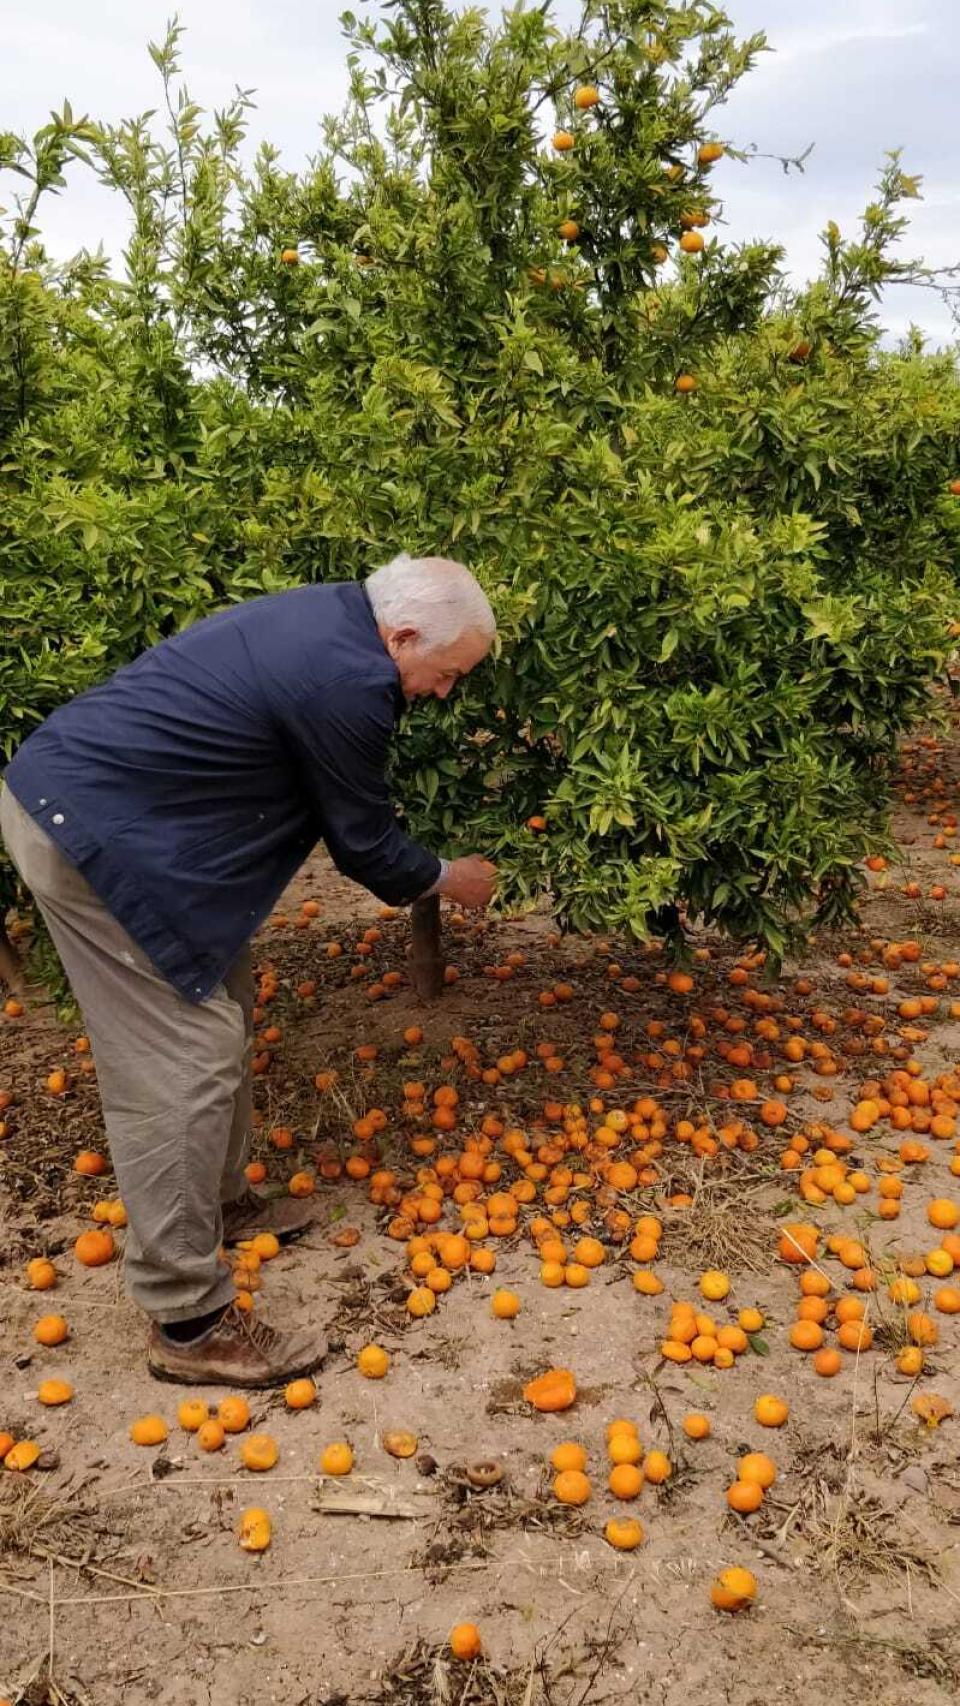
(855, 1547)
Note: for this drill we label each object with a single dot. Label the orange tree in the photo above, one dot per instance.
(494, 317)
(499, 321)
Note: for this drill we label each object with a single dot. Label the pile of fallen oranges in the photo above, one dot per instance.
(577, 1146)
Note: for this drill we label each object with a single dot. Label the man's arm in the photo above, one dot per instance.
(342, 748)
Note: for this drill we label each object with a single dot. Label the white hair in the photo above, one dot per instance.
(436, 595)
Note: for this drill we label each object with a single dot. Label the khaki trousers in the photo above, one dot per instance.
(174, 1079)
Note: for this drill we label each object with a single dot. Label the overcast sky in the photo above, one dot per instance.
(855, 77)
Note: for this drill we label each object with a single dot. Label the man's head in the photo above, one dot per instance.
(434, 619)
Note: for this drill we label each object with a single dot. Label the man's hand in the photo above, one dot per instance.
(470, 882)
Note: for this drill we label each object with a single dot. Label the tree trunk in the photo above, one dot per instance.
(11, 970)
(426, 954)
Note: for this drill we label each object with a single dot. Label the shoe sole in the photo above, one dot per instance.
(195, 1378)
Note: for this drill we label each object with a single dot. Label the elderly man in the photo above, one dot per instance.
(157, 819)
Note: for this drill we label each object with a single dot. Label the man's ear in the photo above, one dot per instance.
(401, 637)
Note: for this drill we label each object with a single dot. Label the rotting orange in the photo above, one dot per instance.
(51, 1330)
(757, 1466)
(211, 1435)
(95, 1248)
(466, 1641)
(148, 1430)
(696, 1425)
(54, 1392)
(255, 1531)
(233, 1414)
(625, 1481)
(300, 1394)
(192, 1413)
(373, 1362)
(337, 1459)
(568, 1455)
(552, 1391)
(625, 1534)
(259, 1452)
(745, 1497)
(571, 1487)
(734, 1589)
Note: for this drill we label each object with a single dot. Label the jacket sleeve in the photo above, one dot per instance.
(342, 745)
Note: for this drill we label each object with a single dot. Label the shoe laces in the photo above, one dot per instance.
(260, 1334)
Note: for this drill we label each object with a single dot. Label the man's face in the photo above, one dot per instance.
(425, 673)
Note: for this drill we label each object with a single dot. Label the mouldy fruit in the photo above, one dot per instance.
(233, 1414)
(23, 1455)
(259, 1452)
(398, 1443)
(255, 1530)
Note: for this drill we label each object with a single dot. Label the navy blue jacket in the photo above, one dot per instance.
(190, 786)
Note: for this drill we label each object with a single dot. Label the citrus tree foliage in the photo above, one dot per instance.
(496, 317)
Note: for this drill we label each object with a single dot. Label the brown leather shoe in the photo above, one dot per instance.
(251, 1213)
(238, 1351)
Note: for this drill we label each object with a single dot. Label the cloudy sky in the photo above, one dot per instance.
(855, 77)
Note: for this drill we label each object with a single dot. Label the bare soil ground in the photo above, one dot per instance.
(120, 1573)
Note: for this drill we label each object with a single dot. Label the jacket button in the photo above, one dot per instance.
(57, 817)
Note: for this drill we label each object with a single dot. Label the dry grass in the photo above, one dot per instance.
(936, 1657)
(424, 1676)
(848, 1535)
(728, 1224)
(35, 1523)
(558, 1674)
